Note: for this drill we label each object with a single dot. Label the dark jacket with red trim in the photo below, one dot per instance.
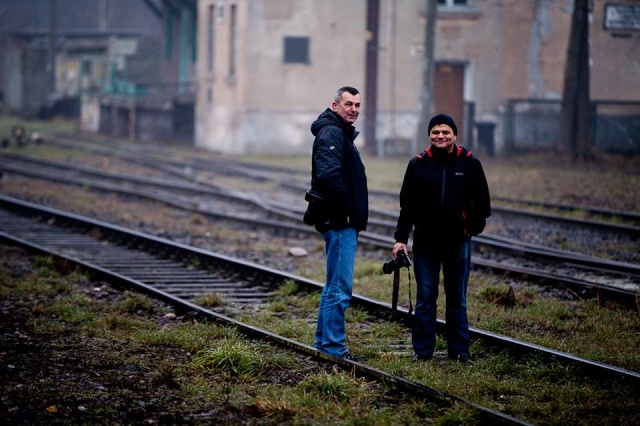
(338, 175)
(444, 198)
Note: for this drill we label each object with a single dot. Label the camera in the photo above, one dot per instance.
(401, 261)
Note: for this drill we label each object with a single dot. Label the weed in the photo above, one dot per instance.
(166, 376)
(234, 356)
(337, 387)
(116, 321)
(295, 329)
(194, 263)
(74, 309)
(209, 300)
(289, 287)
(279, 305)
(198, 219)
(192, 337)
(356, 314)
(132, 302)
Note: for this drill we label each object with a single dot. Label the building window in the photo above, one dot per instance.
(296, 50)
(169, 37)
(210, 38)
(449, 3)
(232, 40)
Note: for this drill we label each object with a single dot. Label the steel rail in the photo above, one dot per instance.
(263, 171)
(268, 275)
(595, 211)
(281, 210)
(591, 210)
(292, 213)
(609, 226)
(271, 172)
(181, 305)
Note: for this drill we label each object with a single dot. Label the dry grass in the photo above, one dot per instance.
(608, 182)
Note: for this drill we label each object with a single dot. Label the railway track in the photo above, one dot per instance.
(189, 177)
(588, 216)
(165, 276)
(173, 191)
(162, 268)
(164, 159)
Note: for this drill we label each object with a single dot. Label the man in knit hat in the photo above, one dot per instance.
(445, 200)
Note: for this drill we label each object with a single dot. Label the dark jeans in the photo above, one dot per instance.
(455, 262)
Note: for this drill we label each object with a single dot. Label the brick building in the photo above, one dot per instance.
(266, 68)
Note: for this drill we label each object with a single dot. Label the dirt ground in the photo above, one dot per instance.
(56, 373)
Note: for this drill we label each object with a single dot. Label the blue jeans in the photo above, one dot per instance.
(456, 262)
(341, 255)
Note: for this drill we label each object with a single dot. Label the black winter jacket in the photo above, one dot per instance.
(444, 196)
(338, 174)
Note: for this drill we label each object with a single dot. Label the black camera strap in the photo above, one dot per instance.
(396, 288)
(409, 285)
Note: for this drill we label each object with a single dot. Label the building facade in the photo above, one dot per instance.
(122, 68)
(267, 68)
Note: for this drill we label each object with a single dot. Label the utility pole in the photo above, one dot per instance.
(426, 94)
(371, 76)
(53, 36)
(102, 15)
(574, 134)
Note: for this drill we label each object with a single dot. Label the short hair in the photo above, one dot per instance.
(343, 89)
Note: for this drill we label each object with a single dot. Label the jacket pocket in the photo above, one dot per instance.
(316, 208)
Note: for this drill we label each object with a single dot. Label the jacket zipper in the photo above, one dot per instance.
(444, 176)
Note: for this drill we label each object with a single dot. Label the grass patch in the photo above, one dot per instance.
(192, 337)
(74, 309)
(338, 387)
(209, 300)
(236, 357)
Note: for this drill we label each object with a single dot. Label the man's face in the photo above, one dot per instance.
(442, 137)
(348, 108)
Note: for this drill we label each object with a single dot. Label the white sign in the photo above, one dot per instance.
(622, 17)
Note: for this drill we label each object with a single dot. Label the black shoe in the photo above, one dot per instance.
(422, 357)
(351, 357)
(462, 358)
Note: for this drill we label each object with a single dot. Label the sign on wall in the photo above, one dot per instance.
(622, 17)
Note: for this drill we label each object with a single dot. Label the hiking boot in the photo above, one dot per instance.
(351, 357)
(422, 357)
(462, 358)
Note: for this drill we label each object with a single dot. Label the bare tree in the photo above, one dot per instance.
(426, 94)
(574, 134)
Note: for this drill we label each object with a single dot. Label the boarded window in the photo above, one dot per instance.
(296, 50)
(453, 2)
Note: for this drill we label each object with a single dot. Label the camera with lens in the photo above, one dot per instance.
(400, 261)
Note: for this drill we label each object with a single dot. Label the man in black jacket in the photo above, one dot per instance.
(445, 200)
(339, 212)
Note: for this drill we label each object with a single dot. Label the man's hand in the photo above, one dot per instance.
(397, 247)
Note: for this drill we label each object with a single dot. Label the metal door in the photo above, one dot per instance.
(448, 88)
